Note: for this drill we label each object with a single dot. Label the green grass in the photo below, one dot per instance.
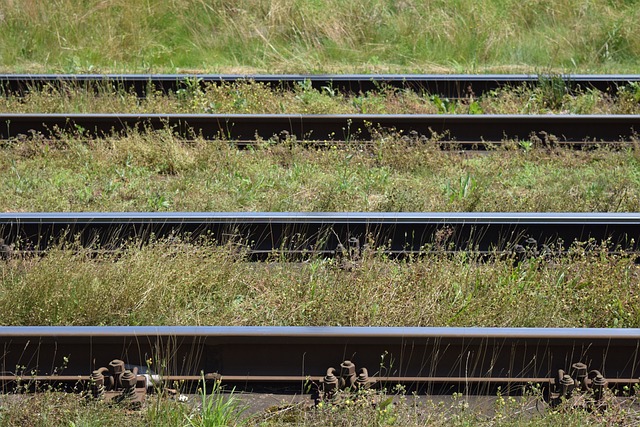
(320, 36)
(156, 171)
(372, 409)
(216, 408)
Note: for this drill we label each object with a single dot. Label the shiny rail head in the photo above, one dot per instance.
(324, 78)
(585, 218)
(320, 332)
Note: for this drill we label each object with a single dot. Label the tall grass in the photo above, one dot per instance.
(324, 35)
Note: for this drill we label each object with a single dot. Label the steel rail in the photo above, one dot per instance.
(446, 85)
(471, 359)
(420, 128)
(329, 233)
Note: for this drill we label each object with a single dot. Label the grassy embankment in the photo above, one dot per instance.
(169, 284)
(320, 36)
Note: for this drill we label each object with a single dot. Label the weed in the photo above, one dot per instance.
(444, 105)
(475, 108)
(157, 202)
(463, 189)
(526, 145)
(551, 91)
(216, 408)
(628, 98)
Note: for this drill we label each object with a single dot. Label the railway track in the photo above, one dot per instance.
(446, 85)
(577, 130)
(328, 234)
(321, 359)
(124, 363)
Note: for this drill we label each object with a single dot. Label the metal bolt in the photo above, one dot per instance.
(117, 366)
(599, 384)
(354, 248)
(330, 381)
(600, 381)
(567, 384)
(363, 378)
(347, 373)
(283, 135)
(128, 380)
(347, 368)
(97, 383)
(5, 250)
(340, 250)
(580, 372)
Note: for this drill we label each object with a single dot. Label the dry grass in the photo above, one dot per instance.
(171, 283)
(369, 408)
(182, 284)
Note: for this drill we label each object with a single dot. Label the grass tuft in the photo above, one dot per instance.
(216, 408)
